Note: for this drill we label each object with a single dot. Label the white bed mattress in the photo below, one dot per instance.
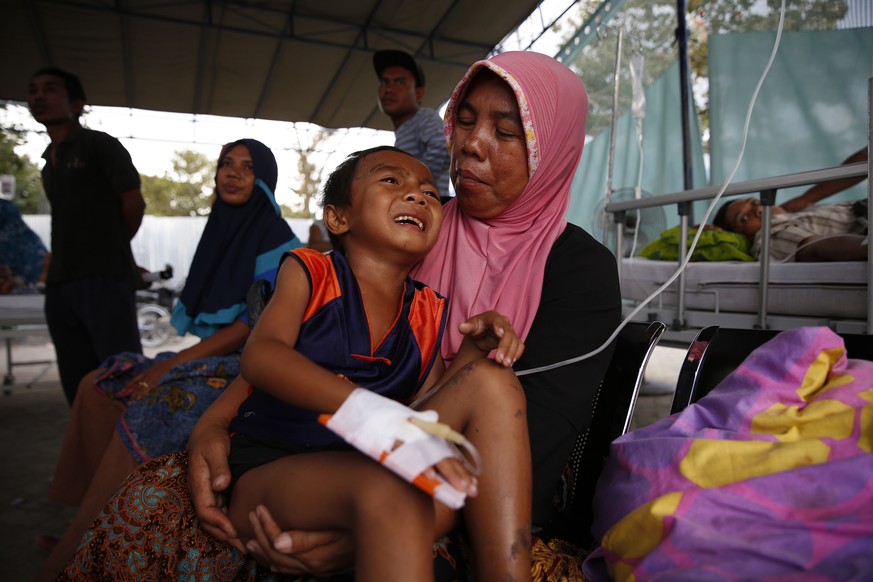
(21, 309)
(836, 289)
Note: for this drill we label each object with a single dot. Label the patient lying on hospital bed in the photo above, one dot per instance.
(801, 230)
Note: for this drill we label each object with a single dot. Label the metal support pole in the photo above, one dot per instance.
(685, 104)
(684, 92)
(610, 161)
(619, 219)
(684, 209)
(9, 378)
(869, 206)
(768, 199)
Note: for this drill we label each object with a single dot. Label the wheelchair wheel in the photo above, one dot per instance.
(154, 325)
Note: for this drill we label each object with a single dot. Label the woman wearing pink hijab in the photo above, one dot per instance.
(506, 245)
(516, 127)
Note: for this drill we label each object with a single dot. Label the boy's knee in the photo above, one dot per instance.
(385, 496)
(486, 380)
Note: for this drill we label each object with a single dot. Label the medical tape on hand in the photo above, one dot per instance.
(380, 428)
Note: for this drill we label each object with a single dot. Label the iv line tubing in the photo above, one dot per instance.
(712, 204)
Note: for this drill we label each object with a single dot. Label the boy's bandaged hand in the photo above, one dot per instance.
(381, 428)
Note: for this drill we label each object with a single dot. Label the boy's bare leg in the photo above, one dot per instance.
(392, 522)
(487, 404)
(89, 428)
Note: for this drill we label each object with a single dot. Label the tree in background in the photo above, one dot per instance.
(186, 190)
(707, 17)
(310, 169)
(29, 195)
(649, 28)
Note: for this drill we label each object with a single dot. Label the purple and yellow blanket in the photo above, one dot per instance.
(769, 477)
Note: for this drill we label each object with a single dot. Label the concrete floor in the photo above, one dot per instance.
(32, 422)
(33, 416)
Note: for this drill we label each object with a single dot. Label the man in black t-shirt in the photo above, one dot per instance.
(96, 209)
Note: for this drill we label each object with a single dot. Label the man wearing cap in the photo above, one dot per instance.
(417, 130)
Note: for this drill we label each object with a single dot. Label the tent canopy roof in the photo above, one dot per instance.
(286, 60)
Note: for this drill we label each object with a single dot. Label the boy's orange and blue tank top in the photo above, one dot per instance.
(335, 334)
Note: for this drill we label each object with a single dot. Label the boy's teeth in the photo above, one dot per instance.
(410, 219)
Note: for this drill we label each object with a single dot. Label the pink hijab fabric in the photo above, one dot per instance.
(499, 263)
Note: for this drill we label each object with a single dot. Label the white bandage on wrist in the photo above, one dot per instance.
(380, 428)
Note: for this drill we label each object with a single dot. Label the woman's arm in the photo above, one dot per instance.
(483, 333)
(319, 553)
(486, 332)
(208, 471)
(298, 552)
(225, 341)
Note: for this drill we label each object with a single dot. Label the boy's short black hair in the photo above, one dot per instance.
(72, 83)
(338, 187)
(720, 219)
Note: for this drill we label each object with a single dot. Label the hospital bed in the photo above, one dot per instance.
(21, 317)
(738, 294)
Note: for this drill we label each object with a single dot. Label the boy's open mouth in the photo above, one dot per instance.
(410, 220)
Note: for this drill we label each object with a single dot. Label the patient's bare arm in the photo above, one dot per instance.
(847, 247)
(823, 190)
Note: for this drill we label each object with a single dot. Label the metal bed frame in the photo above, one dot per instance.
(21, 317)
(766, 188)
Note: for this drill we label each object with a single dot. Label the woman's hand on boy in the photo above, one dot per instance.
(492, 331)
(208, 477)
(150, 377)
(321, 553)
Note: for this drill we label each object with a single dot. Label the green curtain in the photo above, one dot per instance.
(811, 113)
(812, 109)
(662, 157)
